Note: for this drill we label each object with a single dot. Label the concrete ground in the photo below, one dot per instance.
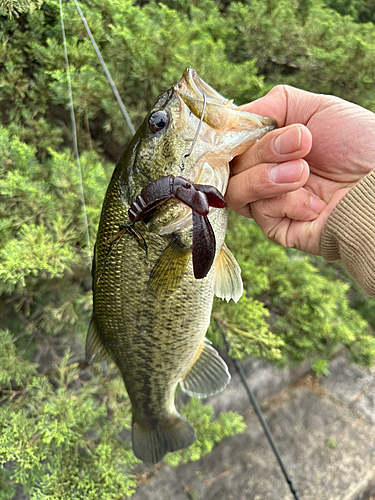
(325, 431)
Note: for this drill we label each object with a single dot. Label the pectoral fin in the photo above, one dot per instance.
(208, 375)
(95, 351)
(169, 268)
(228, 283)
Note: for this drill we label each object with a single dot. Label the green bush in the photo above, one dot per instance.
(64, 429)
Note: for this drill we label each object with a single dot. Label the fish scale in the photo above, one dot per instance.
(138, 322)
(150, 313)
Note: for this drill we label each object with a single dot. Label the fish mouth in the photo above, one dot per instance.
(192, 84)
(231, 131)
(227, 130)
(220, 112)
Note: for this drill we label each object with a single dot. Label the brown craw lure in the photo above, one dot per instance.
(160, 229)
(199, 198)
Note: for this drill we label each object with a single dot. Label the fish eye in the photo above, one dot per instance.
(158, 120)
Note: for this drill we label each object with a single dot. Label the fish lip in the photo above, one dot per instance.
(269, 127)
(192, 82)
(192, 87)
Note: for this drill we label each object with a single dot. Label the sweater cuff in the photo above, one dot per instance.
(349, 233)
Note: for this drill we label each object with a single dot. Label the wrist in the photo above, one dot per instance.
(349, 233)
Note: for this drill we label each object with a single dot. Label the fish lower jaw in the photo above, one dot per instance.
(214, 176)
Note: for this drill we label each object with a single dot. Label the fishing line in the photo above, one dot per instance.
(186, 155)
(262, 420)
(106, 71)
(119, 100)
(74, 133)
(75, 147)
(237, 364)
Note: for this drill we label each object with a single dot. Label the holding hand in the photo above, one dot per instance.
(291, 180)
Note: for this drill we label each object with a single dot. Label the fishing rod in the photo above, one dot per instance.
(74, 133)
(106, 70)
(262, 420)
(236, 362)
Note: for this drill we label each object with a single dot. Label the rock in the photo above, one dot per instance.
(162, 486)
(353, 385)
(304, 427)
(264, 378)
(325, 434)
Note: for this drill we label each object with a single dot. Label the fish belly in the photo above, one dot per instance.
(153, 340)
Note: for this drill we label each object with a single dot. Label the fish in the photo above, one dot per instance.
(150, 312)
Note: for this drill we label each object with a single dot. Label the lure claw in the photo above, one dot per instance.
(199, 198)
(204, 246)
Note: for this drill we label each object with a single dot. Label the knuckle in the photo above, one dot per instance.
(283, 90)
(254, 183)
(278, 89)
(262, 149)
(290, 241)
(264, 184)
(278, 233)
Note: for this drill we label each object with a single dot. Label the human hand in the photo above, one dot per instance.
(291, 179)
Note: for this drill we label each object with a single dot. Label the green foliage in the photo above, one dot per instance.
(320, 367)
(246, 329)
(64, 430)
(43, 258)
(331, 443)
(210, 431)
(318, 50)
(308, 314)
(7, 490)
(12, 367)
(57, 439)
(13, 8)
(362, 11)
(146, 50)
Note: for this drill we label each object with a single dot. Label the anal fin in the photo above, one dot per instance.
(169, 268)
(95, 351)
(208, 375)
(228, 282)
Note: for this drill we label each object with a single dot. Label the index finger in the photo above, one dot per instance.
(286, 105)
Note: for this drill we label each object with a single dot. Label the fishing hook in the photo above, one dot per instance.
(186, 155)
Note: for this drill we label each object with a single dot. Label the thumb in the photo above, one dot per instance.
(286, 105)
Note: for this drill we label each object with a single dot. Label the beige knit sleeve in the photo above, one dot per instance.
(349, 233)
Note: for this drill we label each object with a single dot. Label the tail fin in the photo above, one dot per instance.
(151, 443)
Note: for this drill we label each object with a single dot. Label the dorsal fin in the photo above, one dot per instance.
(228, 283)
(208, 375)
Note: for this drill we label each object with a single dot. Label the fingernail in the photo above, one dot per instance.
(288, 142)
(289, 171)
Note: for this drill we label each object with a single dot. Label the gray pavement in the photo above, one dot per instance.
(325, 431)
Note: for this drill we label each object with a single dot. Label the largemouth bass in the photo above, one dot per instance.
(150, 312)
